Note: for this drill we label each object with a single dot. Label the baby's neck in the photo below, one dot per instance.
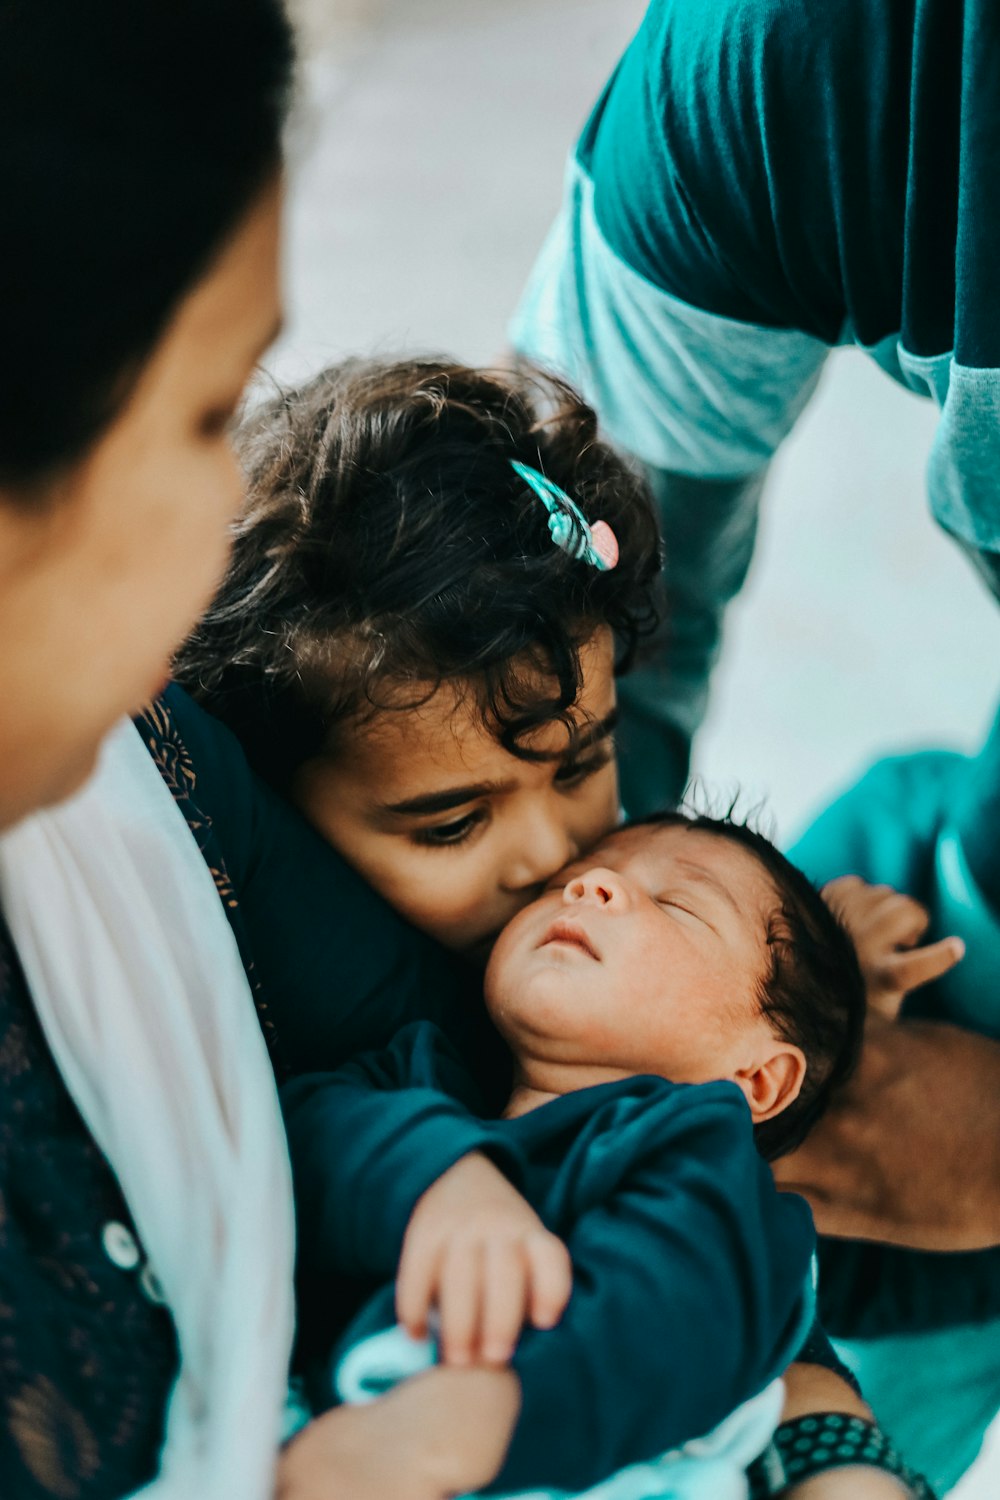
(524, 1099)
(537, 1083)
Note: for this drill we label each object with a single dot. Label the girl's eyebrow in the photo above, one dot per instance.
(445, 801)
(583, 738)
(588, 735)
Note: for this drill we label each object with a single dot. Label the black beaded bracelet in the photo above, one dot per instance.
(827, 1440)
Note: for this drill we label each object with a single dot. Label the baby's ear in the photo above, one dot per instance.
(773, 1081)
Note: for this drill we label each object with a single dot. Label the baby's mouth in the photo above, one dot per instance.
(571, 934)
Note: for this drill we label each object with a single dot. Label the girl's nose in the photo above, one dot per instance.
(542, 847)
(599, 887)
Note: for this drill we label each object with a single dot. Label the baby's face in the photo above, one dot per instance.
(642, 958)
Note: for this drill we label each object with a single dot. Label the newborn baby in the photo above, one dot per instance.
(690, 948)
(679, 1005)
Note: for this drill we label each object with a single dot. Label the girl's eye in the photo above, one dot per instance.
(576, 772)
(444, 834)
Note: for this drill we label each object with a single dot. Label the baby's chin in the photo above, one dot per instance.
(530, 1003)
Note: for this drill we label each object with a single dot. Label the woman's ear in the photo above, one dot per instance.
(774, 1081)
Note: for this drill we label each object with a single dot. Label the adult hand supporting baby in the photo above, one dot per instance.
(909, 1152)
(481, 1255)
(441, 1433)
(886, 927)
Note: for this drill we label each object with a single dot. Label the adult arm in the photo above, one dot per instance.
(812, 1388)
(909, 1155)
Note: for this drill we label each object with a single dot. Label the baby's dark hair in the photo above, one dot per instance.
(388, 546)
(812, 994)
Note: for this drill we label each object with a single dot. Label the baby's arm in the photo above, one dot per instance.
(366, 1141)
(478, 1254)
(389, 1172)
(690, 1276)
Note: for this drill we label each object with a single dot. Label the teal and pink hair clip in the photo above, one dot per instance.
(568, 526)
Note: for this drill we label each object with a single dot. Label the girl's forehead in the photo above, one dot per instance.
(441, 733)
(446, 742)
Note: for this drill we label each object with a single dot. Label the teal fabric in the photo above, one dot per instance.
(806, 166)
(680, 387)
(926, 1328)
(935, 1394)
(759, 181)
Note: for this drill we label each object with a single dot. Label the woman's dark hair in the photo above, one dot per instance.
(813, 993)
(388, 546)
(133, 136)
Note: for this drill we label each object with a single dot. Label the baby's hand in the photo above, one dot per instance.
(476, 1251)
(886, 927)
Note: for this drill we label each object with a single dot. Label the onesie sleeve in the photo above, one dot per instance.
(692, 1288)
(367, 1140)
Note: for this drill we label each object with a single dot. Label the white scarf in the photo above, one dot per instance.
(140, 990)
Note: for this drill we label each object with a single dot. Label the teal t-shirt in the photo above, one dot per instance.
(760, 181)
(808, 167)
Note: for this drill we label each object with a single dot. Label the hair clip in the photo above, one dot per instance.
(568, 526)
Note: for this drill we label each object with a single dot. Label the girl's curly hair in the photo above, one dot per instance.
(387, 546)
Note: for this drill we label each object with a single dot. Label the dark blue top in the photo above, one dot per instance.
(691, 1272)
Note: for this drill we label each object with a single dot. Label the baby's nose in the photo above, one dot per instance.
(598, 886)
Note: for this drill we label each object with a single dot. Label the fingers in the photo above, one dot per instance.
(416, 1286)
(876, 913)
(460, 1300)
(484, 1294)
(841, 886)
(504, 1300)
(551, 1273)
(902, 921)
(918, 966)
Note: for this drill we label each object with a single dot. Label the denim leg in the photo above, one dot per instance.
(709, 527)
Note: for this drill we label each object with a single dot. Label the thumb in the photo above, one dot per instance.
(909, 970)
(916, 966)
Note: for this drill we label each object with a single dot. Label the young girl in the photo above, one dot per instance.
(418, 636)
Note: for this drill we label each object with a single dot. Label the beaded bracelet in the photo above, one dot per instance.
(827, 1440)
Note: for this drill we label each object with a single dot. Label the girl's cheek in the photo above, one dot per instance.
(599, 816)
(437, 898)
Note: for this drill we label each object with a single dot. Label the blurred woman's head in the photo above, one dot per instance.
(140, 162)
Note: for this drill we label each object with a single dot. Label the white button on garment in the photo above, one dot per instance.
(120, 1246)
(149, 1284)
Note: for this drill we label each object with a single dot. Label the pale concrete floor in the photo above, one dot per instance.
(428, 167)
